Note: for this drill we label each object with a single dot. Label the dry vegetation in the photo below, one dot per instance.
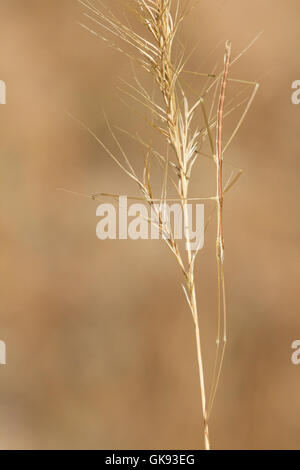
(191, 128)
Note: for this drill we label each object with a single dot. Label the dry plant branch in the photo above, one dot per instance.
(173, 117)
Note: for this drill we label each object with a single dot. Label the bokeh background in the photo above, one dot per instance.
(100, 344)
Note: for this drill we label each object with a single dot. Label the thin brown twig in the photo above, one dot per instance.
(220, 232)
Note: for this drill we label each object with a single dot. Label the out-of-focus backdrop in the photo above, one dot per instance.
(100, 344)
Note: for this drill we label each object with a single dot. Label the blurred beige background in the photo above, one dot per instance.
(100, 344)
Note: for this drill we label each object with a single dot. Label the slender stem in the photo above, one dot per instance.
(201, 374)
(220, 236)
(219, 156)
(193, 303)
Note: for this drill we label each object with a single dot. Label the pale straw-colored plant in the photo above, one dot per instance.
(177, 119)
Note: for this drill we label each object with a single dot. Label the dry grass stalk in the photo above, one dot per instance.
(173, 117)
